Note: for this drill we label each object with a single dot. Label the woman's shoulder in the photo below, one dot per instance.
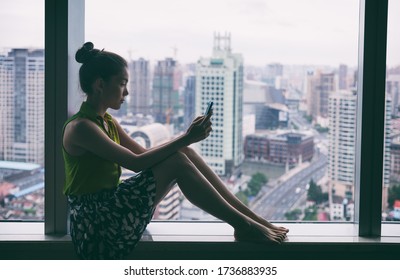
(79, 125)
(71, 131)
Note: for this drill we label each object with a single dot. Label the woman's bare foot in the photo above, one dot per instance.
(271, 226)
(258, 233)
(281, 232)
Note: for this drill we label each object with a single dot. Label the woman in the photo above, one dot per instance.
(108, 217)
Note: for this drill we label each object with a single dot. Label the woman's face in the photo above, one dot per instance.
(115, 90)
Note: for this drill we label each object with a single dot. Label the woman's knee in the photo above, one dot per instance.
(189, 152)
(180, 160)
(175, 162)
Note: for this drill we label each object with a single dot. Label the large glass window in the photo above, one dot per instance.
(282, 73)
(21, 112)
(283, 77)
(391, 184)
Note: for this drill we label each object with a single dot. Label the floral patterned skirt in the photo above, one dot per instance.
(109, 224)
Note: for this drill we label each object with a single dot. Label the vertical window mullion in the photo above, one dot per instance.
(56, 81)
(371, 112)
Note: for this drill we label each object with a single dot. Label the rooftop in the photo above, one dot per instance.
(18, 165)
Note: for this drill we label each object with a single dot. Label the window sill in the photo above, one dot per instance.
(214, 240)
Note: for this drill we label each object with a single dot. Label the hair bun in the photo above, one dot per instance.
(86, 53)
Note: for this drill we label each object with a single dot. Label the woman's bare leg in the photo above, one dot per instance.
(225, 193)
(198, 190)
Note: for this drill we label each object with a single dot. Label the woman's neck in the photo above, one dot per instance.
(99, 108)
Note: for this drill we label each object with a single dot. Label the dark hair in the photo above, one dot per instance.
(97, 64)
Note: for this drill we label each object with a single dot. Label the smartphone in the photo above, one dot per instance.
(209, 107)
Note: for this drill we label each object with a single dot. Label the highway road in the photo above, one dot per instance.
(276, 202)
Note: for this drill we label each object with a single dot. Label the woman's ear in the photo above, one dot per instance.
(98, 86)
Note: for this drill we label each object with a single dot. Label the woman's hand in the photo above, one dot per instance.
(200, 129)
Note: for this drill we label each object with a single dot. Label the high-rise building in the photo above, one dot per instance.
(169, 208)
(342, 131)
(395, 157)
(273, 72)
(22, 106)
(342, 144)
(166, 82)
(139, 87)
(342, 141)
(388, 140)
(219, 78)
(319, 85)
(387, 150)
(393, 89)
(312, 97)
(326, 86)
(189, 100)
(343, 76)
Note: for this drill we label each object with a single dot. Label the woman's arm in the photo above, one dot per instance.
(127, 141)
(86, 135)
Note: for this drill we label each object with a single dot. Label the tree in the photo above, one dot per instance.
(257, 181)
(394, 194)
(311, 213)
(315, 193)
(293, 215)
(321, 129)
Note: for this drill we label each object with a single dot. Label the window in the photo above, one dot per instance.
(391, 179)
(300, 90)
(22, 115)
(60, 48)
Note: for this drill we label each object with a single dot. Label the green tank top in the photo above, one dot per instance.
(90, 173)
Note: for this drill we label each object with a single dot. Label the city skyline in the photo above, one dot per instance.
(220, 75)
(320, 38)
(214, 81)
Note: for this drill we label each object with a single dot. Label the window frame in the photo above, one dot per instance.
(370, 127)
(64, 32)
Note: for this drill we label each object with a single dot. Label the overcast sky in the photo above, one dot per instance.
(263, 31)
